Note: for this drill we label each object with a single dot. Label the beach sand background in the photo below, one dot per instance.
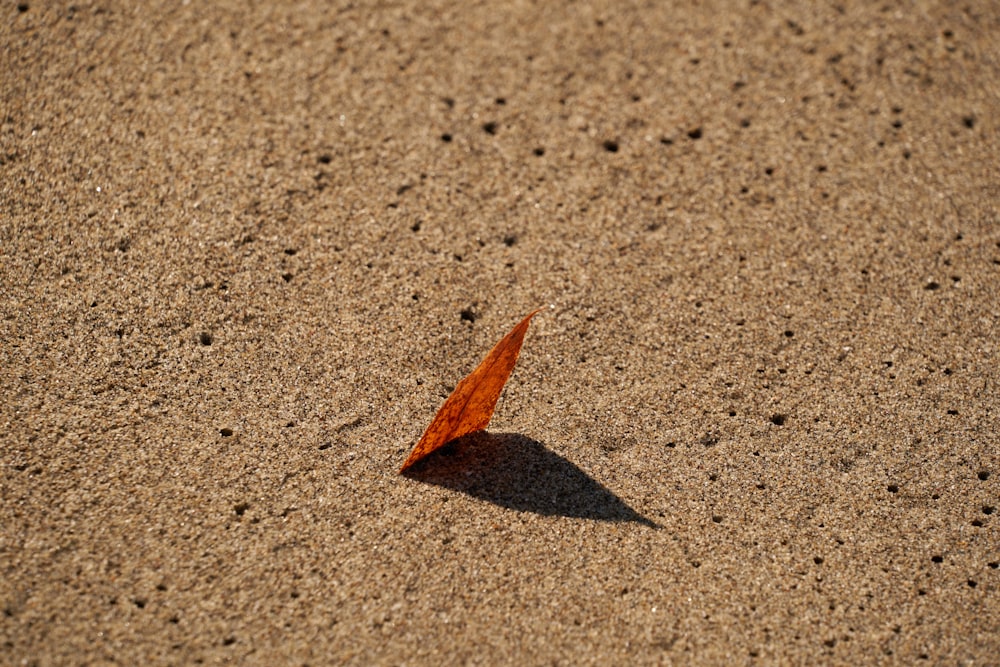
(247, 249)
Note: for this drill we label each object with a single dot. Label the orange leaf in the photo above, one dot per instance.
(471, 404)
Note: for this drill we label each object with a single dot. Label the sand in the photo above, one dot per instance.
(247, 249)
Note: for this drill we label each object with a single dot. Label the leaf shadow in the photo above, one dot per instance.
(516, 472)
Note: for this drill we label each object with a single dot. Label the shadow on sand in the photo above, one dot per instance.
(514, 471)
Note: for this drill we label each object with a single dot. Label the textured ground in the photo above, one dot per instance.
(246, 250)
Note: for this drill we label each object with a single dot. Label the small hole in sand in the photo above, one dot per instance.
(610, 146)
(778, 419)
(225, 432)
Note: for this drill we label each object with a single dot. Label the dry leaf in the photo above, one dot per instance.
(471, 405)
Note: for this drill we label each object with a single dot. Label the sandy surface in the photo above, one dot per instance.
(246, 252)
